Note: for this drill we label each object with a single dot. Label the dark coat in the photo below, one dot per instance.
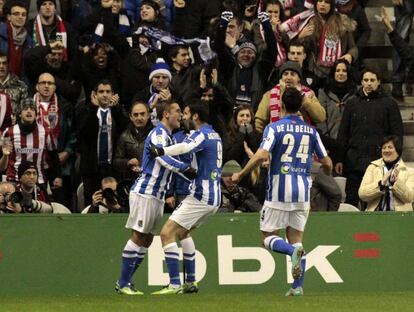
(87, 136)
(366, 120)
(130, 145)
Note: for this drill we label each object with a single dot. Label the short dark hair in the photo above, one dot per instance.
(197, 106)
(373, 71)
(292, 99)
(396, 140)
(173, 50)
(103, 82)
(8, 5)
(4, 54)
(297, 43)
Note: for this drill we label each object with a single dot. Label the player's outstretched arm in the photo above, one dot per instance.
(260, 156)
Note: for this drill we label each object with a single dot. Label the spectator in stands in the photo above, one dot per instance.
(98, 62)
(211, 92)
(325, 194)
(6, 204)
(14, 38)
(243, 70)
(11, 85)
(55, 113)
(27, 174)
(405, 53)
(107, 199)
(50, 58)
(185, 75)
(160, 88)
(388, 184)
(297, 53)
(330, 36)
(339, 88)
(30, 141)
(276, 14)
(271, 106)
(130, 147)
(98, 131)
(3, 17)
(356, 12)
(5, 110)
(150, 15)
(367, 118)
(403, 12)
(236, 198)
(49, 26)
(192, 18)
(244, 140)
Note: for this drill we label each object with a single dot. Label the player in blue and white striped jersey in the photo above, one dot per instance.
(147, 196)
(203, 200)
(290, 144)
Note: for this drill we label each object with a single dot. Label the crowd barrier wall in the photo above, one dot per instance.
(81, 254)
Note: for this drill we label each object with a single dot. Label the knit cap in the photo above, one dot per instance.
(160, 67)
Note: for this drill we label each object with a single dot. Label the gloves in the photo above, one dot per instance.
(246, 129)
(225, 18)
(190, 173)
(156, 151)
(263, 17)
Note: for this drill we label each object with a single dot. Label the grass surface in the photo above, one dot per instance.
(354, 302)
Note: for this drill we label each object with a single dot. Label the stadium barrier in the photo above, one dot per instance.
(80, 254)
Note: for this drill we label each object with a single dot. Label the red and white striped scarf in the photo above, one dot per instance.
(293, 26)
(5, 111)
(275, 102)
(330, 50)
(40, 39)
(49, 117)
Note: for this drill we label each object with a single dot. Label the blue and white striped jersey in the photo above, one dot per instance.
(156, 173)
(207, 147)
(291, 143)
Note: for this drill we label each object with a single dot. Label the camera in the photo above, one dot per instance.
(110, 196)
(15, 197)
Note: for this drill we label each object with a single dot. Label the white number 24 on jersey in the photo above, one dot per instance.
(303, 150)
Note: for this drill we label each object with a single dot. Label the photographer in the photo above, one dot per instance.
(7, 205)
(111, 198)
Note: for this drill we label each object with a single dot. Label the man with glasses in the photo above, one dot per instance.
(14, 39)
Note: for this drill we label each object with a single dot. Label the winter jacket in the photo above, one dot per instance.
(402, 189)
(334, 109)
(310, 108)
(130, 145)
(16, 89)
(366, 120)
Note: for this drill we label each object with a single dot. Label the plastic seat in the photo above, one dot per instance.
(341, 181)
(59, 208)
(343, 207)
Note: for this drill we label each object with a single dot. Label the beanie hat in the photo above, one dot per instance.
(28, 102)
(290, 65)
(25, 165)
(247, 45)
(160, 67)
(40, 2)
(230, 167)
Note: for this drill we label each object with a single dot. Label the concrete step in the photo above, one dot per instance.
(408, 127)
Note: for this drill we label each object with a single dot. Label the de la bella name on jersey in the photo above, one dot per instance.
(294, 128)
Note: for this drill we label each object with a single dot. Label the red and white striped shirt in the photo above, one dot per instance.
(32, 147)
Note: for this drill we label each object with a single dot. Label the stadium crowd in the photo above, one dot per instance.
(80, 80)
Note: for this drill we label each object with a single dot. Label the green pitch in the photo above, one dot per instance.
(351, 302)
